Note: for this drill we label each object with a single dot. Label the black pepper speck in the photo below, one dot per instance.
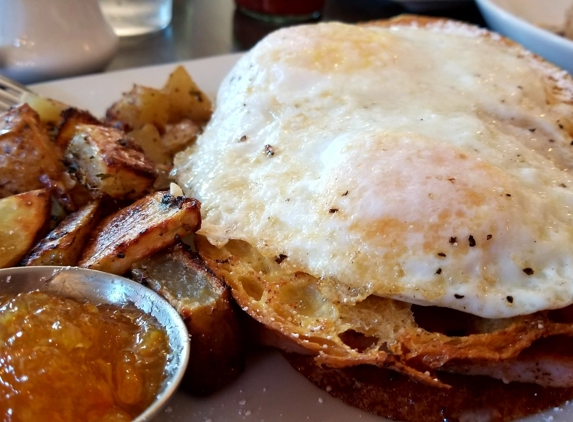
(472, 241)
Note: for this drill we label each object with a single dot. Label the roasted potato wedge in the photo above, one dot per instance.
(23, 218)
(140, 230)
(179, 136)
(186, 100)
(105, 160)
(149, 139)
(71, 118)
(140, 106)
(204, 303)
(29, 160)
(49, 110)
(64, 244)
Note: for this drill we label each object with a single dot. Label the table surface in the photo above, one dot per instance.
(203, 28)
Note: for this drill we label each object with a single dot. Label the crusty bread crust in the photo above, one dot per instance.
(401, 398)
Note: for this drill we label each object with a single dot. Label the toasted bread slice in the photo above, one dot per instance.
(376, 331)
(140, 230)
(401, 398)
(204, 303)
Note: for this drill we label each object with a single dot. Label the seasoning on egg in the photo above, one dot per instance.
(472, 241)
(269, 150)
(280, 258)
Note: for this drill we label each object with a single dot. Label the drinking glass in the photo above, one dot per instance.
(137, 17)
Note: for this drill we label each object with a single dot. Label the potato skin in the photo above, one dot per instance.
(205, 304)
(64, 244)
(105, 160)
(138, 107)
(186, 100)
(29, 160)
(71, 118)
(135, 232)
(23, 219)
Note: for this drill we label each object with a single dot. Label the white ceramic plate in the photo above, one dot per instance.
(269, 390)
(521, 20)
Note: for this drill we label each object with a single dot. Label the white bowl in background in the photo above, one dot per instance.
(42, 40)
(521, 21)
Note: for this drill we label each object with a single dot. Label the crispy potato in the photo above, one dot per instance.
(107, 161)
(149, 139)
(140, 230)
(140, 106)
(71, 118)
(49, 110)
(179, 136)
(186, 100)
(64, 245)
(29, 160)
(23, 218)
(204, 303)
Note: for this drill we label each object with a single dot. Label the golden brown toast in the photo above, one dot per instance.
(205, 304)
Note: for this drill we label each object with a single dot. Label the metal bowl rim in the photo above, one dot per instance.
(172, 381)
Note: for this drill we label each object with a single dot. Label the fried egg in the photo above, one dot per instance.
(431, 167)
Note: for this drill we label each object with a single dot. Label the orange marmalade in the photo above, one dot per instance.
(62, 360)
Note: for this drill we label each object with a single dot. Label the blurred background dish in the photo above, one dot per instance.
(428, 5)
(528, 22)
(68, 38)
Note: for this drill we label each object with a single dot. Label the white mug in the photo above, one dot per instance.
(48, 39)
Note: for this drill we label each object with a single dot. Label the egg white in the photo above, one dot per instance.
(426, 166)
